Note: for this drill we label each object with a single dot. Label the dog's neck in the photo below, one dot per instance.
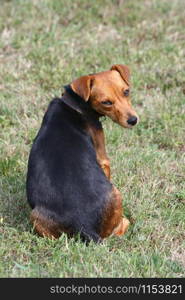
(80, 106)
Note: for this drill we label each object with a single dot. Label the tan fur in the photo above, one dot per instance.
(108, 85)
(112, 222)
(97, 136)
(44, 225)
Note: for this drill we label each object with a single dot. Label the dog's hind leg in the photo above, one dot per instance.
(113, 221)
(44, 225)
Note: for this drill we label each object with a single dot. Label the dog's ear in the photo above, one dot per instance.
(124, 72)
(82, 86)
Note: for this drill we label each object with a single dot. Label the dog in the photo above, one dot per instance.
(68, 178)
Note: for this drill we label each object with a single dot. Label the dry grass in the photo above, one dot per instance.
(44, 45)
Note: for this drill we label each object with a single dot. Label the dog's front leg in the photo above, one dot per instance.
(98, 138)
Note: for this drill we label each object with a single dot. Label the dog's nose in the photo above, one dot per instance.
(132, 121)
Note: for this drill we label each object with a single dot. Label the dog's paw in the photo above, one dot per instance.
(122, 227)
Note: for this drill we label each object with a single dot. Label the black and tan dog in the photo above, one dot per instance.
(68, 180)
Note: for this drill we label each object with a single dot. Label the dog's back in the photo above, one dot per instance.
(64, 178)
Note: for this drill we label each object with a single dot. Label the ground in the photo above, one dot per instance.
(44, 45)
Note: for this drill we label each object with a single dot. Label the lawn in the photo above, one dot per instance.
(44, 45)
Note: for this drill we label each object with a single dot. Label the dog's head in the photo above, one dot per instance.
(109, 94)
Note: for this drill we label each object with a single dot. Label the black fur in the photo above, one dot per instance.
(64, 178)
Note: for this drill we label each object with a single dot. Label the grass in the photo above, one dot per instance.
(44, 45)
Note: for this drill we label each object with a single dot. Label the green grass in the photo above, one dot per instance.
(44, 45)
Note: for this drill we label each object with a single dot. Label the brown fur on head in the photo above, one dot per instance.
(108, 93)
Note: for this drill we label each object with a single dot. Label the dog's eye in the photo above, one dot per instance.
(107, 102)
(126, 93)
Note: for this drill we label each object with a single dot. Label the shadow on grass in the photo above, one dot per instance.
(14, 207)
